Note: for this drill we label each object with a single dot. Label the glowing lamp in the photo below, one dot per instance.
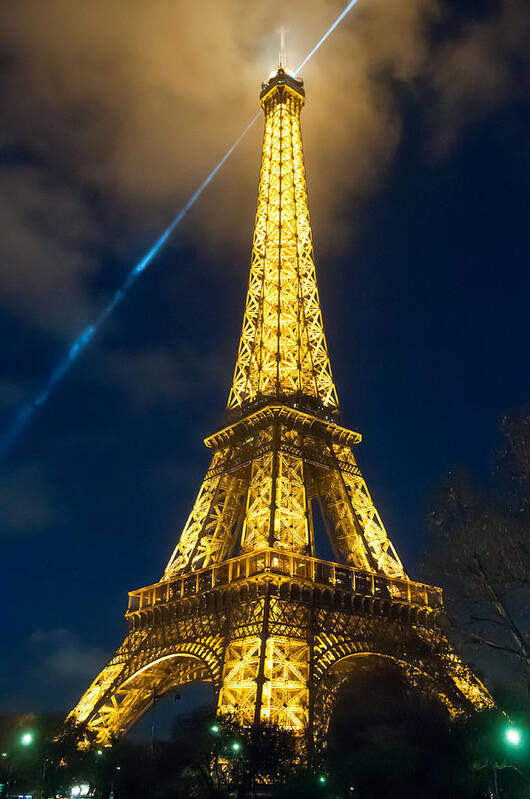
(513, 736)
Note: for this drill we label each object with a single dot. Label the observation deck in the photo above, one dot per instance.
(295, 577)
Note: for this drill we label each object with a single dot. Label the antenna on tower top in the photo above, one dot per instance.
(283, 57)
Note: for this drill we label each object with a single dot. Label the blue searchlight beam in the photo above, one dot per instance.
(83, 340)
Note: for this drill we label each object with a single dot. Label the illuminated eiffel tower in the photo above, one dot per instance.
(244, 601)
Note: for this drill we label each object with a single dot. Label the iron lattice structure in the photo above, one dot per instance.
(244, 602)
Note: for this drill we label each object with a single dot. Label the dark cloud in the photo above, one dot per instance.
(11, 393)
(47, 238)
(26, 503)
(49, 671)
(154, 376)
(63, 656)
(485, 65)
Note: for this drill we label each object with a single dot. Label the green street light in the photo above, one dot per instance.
(236, 746)
(214, 728)
(99, 752)
(322, 778)
(4, 754)
(26, 739)
(513, 736)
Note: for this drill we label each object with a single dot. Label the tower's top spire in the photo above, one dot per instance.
(282, 353)
(282, 60)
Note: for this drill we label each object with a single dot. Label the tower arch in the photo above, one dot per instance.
(342, 671)
(424, 657)
(145, 681)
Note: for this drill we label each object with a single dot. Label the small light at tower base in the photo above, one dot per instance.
(513, 736)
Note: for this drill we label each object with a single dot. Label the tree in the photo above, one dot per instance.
(27, 747)
(480, 550)
(222, 757)
(496, 760)
(389, 739)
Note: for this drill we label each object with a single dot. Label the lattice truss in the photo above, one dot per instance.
(284, 698)
(208, 533)
(283, 476)
(238, 694)
(350, 508)
(100, 687)
(260, 493)
(282, 349)
(285, 691)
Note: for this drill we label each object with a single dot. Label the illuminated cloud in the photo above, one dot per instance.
(137, 102)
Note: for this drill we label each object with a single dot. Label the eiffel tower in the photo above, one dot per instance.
(245, 602)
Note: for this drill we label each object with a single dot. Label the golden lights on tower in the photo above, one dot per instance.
(244, 600)
(282, 351)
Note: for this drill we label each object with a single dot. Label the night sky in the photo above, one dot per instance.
(418, 159)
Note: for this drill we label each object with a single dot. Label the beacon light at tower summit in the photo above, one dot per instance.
(245, 602)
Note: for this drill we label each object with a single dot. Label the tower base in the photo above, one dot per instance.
(276, 634)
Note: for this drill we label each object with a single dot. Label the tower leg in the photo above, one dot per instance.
(266, 676)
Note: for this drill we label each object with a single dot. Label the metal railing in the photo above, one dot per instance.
(321, 573)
